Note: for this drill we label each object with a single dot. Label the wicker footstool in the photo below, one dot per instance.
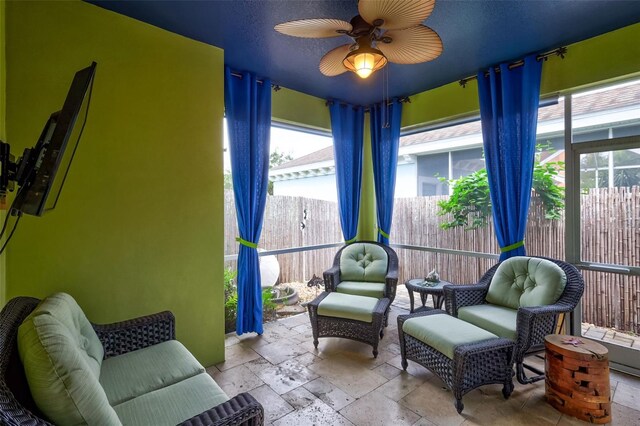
(462, 355)
(352, 317)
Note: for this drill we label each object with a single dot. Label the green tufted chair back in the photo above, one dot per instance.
(526, 281)
(363, 262)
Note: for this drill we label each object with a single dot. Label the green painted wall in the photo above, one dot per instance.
(292, 107)
(3, 64)
(607, 57)
(138, 228)
(367, 219)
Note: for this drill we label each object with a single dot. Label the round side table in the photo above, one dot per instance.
(420, 286)
(577, 377)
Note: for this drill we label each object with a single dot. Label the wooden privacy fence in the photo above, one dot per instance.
(610, 234)
(291, 222)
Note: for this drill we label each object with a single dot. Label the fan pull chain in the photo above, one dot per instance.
(385, 96)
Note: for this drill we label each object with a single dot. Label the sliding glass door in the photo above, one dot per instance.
(603, 211)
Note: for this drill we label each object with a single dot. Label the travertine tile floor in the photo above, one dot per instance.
(342, 384)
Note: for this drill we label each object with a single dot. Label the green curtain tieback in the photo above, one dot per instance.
(384, 234)
(353, 240)
(512, 247)
(246, 243)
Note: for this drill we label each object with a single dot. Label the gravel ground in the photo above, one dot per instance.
(306, 294)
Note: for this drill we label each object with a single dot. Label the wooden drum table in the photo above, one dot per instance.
(577, 378)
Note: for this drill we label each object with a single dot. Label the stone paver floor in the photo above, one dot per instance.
(341, 383)
(610, 336)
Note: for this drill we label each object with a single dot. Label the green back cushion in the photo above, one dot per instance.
(62, 357)
(526, 281)
(363, 262)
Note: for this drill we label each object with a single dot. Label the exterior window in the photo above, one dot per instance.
(597, 169)
(465, 162)
(430, 169)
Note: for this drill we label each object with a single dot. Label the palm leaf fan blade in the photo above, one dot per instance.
(314, 28)
(412, 45)
(396, 14)
(331, 63)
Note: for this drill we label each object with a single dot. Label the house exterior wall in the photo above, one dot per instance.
(137, 227)
(316, 187)
(406, 180)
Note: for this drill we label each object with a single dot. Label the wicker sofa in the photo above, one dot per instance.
(132, 372)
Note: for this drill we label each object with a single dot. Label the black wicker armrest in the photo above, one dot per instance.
(126, 336)
(391, 281)
(458, 296)
(534, 323)
(242, 409)
(331, 278)
(555, 309)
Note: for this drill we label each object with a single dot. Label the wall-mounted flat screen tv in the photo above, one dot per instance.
(43, 169)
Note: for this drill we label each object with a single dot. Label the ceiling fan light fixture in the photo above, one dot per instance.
(364, 61)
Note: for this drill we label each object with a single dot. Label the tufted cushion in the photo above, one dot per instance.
(363, 262)
(526, 281)
(62, 357)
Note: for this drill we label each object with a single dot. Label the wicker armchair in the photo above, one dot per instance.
(532, 323)
(18, 408)
(333, 277)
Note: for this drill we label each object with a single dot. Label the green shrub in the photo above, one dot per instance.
(231, 301)
(470, 201)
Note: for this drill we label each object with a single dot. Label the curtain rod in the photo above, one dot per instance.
(402, 100)
(560, 51)
(275, 87)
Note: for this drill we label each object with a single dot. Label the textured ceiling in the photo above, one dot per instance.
(475, 34)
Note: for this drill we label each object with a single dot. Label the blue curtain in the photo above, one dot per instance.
(385, 139)
(509, 113)
(347, 125)
(248, 112)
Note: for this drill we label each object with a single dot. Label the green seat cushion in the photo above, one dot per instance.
(340, 305)
(362, 288)
(127, 376)
(62, 356)
(496, 319)
(444, 333)
(172, 404)
(526, 281)
(363, 262)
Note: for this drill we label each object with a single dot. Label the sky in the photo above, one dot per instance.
(293, 142)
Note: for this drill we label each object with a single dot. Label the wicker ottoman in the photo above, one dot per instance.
(352, 317)
(462, 355)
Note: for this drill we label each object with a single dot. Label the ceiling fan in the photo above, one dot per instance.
(383, 31)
